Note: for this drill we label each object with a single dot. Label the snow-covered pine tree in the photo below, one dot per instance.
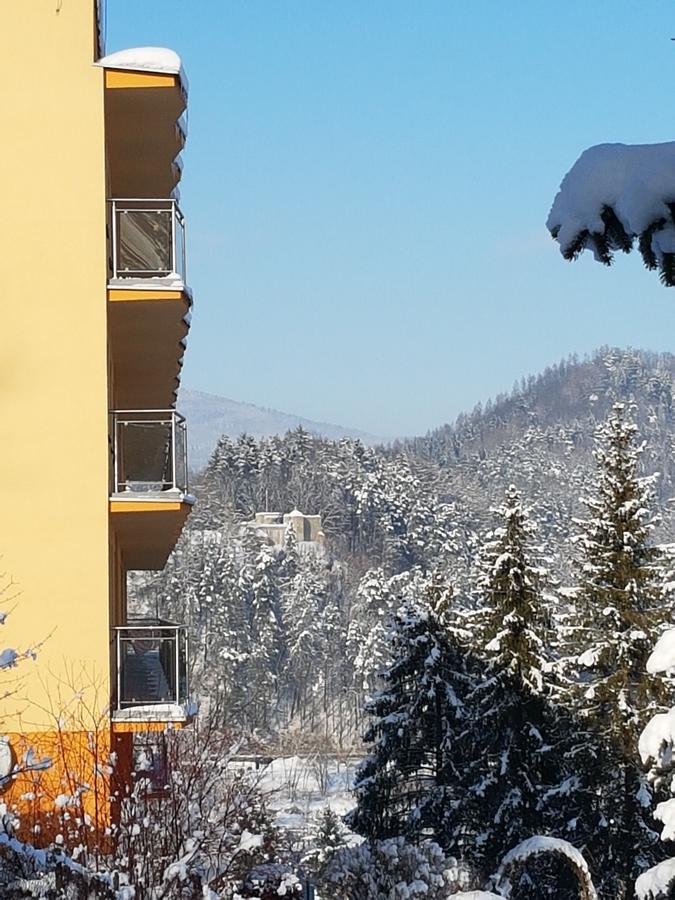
(510, 763)
(311, 620)
(218, 620)
(657, 751)
(259, 583)
(326, 835)
(620, 608)
(367, 638)
(405, 787)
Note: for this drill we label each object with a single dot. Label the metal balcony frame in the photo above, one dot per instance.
(152, 625)
(146, 205)
(135, 417)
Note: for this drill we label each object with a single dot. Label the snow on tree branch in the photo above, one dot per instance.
(475, 895)
(662, 657)
(613, 195)
(536, 846)
(656, 882)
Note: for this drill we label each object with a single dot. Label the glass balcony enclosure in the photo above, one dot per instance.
(148, 239)
(149, 451)
(151, 663)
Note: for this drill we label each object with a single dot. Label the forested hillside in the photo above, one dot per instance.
(298, 639)
(211, 416)
(477, 623)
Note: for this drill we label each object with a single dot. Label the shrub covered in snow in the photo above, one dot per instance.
(536, 849)
(208, 829)
(270, 881)
(392, 870)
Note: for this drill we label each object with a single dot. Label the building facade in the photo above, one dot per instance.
(275, 527)
(92, 452)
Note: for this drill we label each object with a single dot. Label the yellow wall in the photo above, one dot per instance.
(53, 363)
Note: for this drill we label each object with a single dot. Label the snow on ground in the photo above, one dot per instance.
(300, 787)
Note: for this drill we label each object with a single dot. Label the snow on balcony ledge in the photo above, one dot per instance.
(173, 495)
(159, 60)
(171, 282)
(157, 712)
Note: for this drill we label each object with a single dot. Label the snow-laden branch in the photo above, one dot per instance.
(613, 195)
(662, 657)
(538, 846)
(475, 895)
(656, 883)
(657, 739)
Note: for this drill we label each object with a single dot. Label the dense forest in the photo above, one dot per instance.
(477, 623)
(296, 639)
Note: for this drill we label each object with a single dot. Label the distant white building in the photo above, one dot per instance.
(274, 525)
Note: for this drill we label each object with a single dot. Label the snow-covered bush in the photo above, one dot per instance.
(28, 872)
(270, 881)
(209, 827)
(540, 866)
(533, 852)
(392, 870)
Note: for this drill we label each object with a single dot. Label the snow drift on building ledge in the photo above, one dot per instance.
(613, 195)
(146, 59)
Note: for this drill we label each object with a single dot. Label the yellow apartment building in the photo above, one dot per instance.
(93, 466)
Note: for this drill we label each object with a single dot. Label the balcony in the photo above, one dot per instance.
(145, 99)
(148, 300)
(151, 666)
(149, 502)
(148, 242)
(149, 450)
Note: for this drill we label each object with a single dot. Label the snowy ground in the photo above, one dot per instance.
(298, 788)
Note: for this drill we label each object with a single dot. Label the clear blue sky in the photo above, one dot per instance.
(366, 185)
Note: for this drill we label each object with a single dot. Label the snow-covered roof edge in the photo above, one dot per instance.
(160, 60)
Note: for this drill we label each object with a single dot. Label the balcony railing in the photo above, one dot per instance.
(148, 239)
(152, 663)
(149, 451)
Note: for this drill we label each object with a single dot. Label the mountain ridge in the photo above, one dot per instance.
(210, 416)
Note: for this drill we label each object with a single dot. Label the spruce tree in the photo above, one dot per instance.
(510, 765)
(620, 608)
(405, 787)
(368, 637)
(260, 588)
(310, 621)
(327, 835)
